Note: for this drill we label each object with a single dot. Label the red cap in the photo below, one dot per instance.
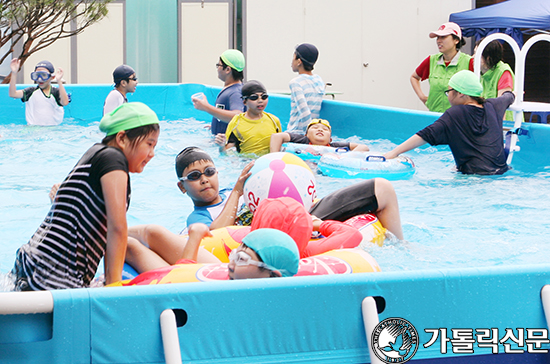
(285, 214)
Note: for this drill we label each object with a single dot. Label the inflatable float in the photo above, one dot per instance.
(342, 261)
(365, 165)
(343, 163)
(311, 152)
(223, 240)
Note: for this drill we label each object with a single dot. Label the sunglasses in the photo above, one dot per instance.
(256, 97)
(241, 258)
(195, 175)
(447, 91)
(40, 76)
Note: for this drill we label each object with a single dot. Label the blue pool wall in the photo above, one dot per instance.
(173, 101)
(291, 320)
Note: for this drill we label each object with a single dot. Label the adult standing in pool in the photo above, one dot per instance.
(439, 68)
(472, 128)
(87, 219)
(230, 68)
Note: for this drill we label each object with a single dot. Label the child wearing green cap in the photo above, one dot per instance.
(472, 128)
(228, 103)
(87, 219)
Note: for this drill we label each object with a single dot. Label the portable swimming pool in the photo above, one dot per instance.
(475, 261)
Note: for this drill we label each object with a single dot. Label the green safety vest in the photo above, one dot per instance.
(490, 79)
(439, 79)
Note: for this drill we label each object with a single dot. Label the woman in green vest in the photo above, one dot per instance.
(496, 76)
(439, 68)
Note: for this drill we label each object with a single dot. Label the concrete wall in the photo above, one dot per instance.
(368, 49)
(390, 37)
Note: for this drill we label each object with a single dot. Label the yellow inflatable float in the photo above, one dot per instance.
(341, 261)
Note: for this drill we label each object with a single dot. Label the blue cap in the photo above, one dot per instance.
(45, 64)
(276, 249)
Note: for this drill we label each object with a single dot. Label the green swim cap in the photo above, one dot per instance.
(276, 248)
(234, 59)
(127, 116)
(466, 83)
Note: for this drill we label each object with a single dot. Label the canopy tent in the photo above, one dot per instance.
(507, 17)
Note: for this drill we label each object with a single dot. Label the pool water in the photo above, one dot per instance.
(449, 220)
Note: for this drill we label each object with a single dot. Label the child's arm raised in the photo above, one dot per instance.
(13, 92)
(114, 186)
(63, 97)
(229, 212)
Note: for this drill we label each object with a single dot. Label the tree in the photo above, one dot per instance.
(36, 24)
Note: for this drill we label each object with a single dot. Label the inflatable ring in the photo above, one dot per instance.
(366, 165)
(342, 261)
(311, 152)
(225, 239)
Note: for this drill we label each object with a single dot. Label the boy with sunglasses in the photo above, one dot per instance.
(44, 103)
(318, 132)
(126, 81)
(250, 132)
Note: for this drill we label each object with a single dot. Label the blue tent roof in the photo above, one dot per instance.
(506, 17)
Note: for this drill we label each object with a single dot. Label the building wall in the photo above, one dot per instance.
(368, 49)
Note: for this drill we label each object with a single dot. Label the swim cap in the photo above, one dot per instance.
(252, 87)
(285, 214)
(319, 121)
(308, 53)
(276, 249)
(189, 156)
(466, 83)
(127, 116)
(122, 72)
(234, 59)
(45, 64)
(446, 29)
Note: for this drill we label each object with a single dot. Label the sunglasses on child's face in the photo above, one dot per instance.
(195, 175)
(40, 76)
(255, 97)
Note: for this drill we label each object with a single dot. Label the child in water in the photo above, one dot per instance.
(318, 132)
(87, 219)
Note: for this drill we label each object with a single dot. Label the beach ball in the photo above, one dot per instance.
(277, 175)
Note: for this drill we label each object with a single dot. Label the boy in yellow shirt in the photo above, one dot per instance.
(250, 132)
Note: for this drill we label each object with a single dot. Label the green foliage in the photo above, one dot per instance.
(32, 25)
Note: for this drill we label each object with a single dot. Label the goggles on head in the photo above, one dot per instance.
(319, 121)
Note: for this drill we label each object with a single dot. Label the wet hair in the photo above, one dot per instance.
(237, 75)
(134, 135)
(480, 100)
(492, 53)
(461, 42)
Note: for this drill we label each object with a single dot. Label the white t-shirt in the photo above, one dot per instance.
(113, 100)
(41, 109)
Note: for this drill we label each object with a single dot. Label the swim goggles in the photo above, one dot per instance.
(241, 258)
(41, 76)
(195, 175)
(255, 97)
